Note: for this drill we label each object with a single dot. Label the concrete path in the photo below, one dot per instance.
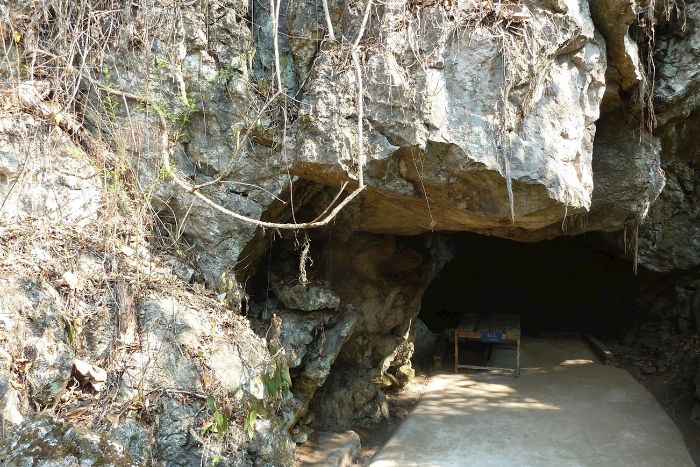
(566, 410)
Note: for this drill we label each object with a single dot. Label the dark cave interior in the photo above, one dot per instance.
(569, 284)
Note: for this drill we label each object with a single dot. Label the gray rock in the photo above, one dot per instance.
(44, 441)
(627, 174)
(300, 434)
(613, 19)
(670, 236)
(180, 269)
(9, 402)
(312, 342)
(50, 178)
(136, 440)
(31, 312)
(677, 77)
(423, 340)
(52, 361)
(306, 298)
(347, 398)
(174, 444)
(334, 449)
(451, 127)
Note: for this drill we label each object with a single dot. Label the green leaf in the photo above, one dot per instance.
(270, 385)
(206, 430)
(286, 376)
(211, 404)
(221, 423)
(68, 327)
(16, 36)
(249, 421)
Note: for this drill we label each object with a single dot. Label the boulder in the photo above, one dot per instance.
(9, 402)
(44, 440)
(306, 297)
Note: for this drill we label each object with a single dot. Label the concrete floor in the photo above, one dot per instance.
(567, 409)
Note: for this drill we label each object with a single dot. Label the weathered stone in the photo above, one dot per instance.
(9, 402)
(50, 178)
(423, 340)
(306, 298)
(51, 368)
(44, 441)
(347, 398)
(626, 172)
(300, 434)
(677, 79)
(331, 449)
(312, 342)
(136, 440)
(437, 138)
(31, 313)
(174, 444)
(670, 236)
(613, 19)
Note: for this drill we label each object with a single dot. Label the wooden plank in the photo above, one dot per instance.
(472, 328)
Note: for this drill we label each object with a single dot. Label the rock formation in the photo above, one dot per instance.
(526, 120)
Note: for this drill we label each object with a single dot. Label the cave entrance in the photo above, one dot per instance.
(569, 285)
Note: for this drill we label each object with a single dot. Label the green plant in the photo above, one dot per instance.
(219, 423)
(250, 418)
(69, 328)
(279, 382)
(109, 103)
(238, 64)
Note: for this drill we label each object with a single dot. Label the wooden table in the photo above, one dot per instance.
(493, 329)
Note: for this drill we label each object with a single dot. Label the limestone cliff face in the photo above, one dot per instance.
(462, 111)
(521, 119)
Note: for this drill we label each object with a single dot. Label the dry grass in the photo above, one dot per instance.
(113, 260)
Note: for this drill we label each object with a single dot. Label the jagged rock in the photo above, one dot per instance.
(312, 342)
(627, 174)
(613, 19)
(32, 315)
(135, 438)
(173, 443)
(331, 449)
(676, 54)
(44, 440)
(9, 401)
(306, 298)
(298, 330)
(300, 434)
(423, 340)
(180, 269)
(50, 370)
(348, 398)
(670, 236)
(438, 138)
(50, 178)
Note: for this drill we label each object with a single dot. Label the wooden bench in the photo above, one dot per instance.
(491, 329)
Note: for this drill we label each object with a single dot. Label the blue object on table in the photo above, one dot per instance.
(492, 336)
